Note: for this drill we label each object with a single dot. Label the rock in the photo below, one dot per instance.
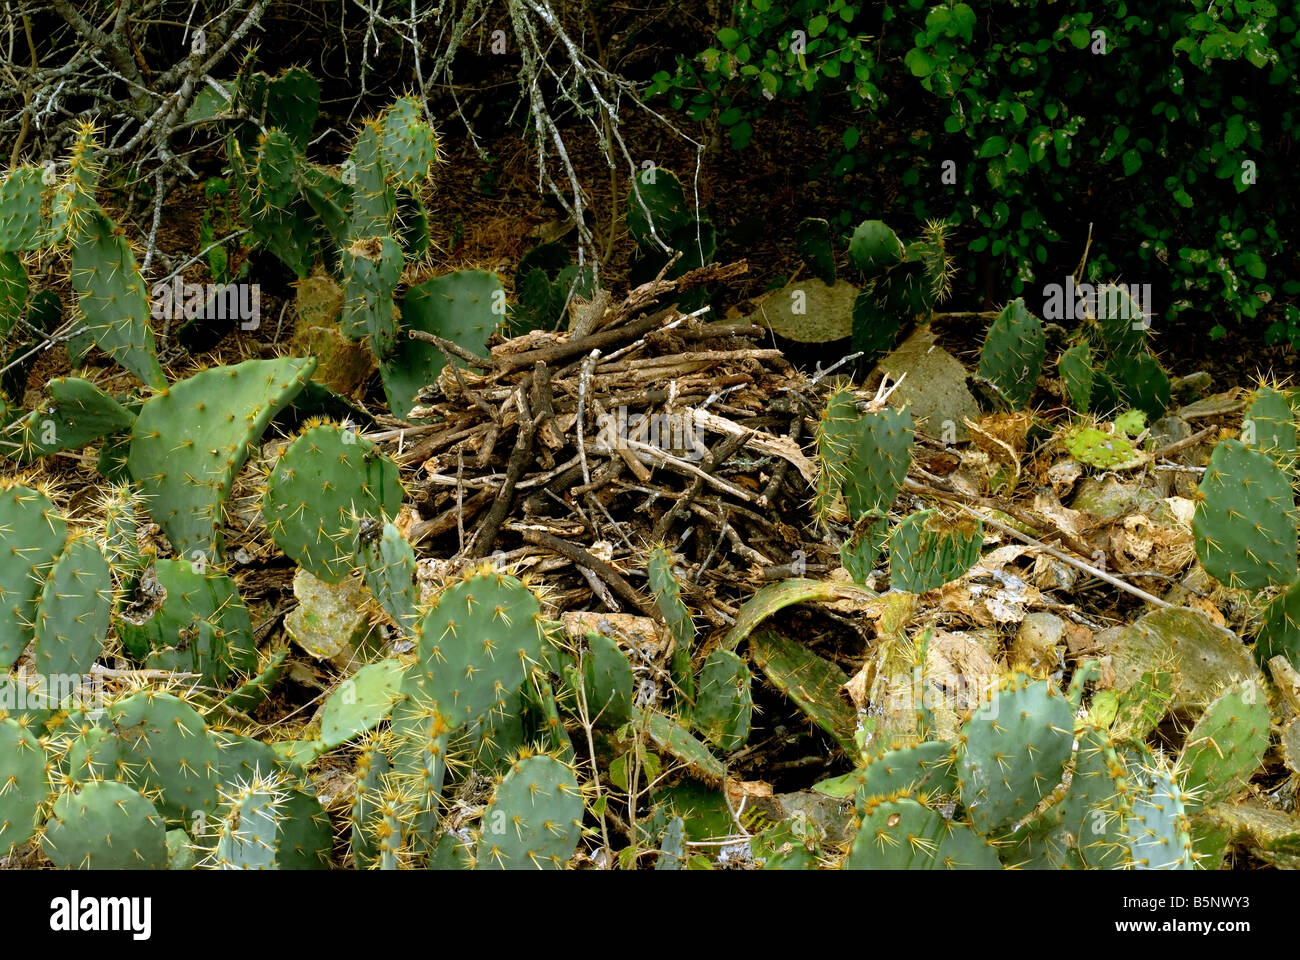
(1038, 645)
(329, 622)
(825, 313)
(935, 387)
(1108, 497)
(1201, 656)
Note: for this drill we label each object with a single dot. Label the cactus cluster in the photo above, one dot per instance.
(902, 281)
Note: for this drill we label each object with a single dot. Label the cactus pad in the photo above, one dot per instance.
(324, 483)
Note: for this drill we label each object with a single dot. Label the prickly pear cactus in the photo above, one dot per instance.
(668, 598)
(1270, 425)
(75, 609)
(534, 821)
(1225, 747)
(23, 761)
(1157, 829)
(1012, 356)
(160, 744)
(201, 625)
(607, 681)
(1097, 448)
(104, 825)
(77, 414)
(1076, 369)
(928, 767)
(34, 534)
(1013, 751)
(323, 485)
(723, 702)
(389, 564)
(191, 438)
(903, 834)
(1244, 528)
(926, 550)
(1279, 634)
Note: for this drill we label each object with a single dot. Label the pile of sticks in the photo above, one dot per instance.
(570, 454)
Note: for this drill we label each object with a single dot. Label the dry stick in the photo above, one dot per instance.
(447, 346)
(962, 499)
(599, 567)
(768, 497)
(464, 387)
(519, 459)
(720, 453)
(1066, 558)
(571, 348)
(682, 466)
(1183, 444)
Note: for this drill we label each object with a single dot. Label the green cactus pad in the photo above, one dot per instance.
(372, 268)
(372, 767)
(902, 834)
(1226, 746)
(78, 413)
(33, 535)
(409, 146)
(13, 291)
(242, 759)
(724, 703)
(1012, 356)
(1076, 369)
(812, 238)
(926, 550)
(658, 193)
(25, 787)
(874, 247)
(464, 307)
(104, 825)
(1279, 634)
(1097, 448)
(835, 435)
(201, 625)
(361, 702)
(1141, 381)
(293, 104)
(607, 680)
(161, 745)
(1098, 802)
(324, 483)
(112, 299)
(1157, 830)
(668, 599)
(1270, 425)
(1013, 752)
(278, 160)
(21, 225)
(75, 610)
(1122, 324)
(812, 683)
(304, 839)
(861, 552)
(190, 440)
(389, 564)
(1244, 528)
(247, 827)
(675, 740)
(475, 646)
(927, 768)
(373, 205)
(534, 821)
(878, 460)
